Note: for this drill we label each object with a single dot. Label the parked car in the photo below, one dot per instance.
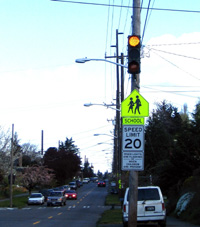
(45, 193)
(56, 198)
(150, 206)
(36, 198)
(101, 183)
(78, 183)
(113, 184)
(73, 185)
(71, 194)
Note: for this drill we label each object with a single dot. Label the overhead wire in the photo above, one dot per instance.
(107, 5)
(180, 55)
(120, 14)
(176, 66)
(174, 92)
(145, 23)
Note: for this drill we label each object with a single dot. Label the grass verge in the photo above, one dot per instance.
(112, 199)
(18, 202)
(112, 216)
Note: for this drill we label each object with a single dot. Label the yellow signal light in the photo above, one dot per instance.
(134, 41)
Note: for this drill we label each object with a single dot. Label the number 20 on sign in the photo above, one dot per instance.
(133, 138)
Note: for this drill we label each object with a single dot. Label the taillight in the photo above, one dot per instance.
(124, 208)
(163, 206)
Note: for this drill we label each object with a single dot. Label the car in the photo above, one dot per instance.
(86, 180)
(45, 193)
(71, 194)
(101, 183)
(66, 187)
(56, 198)
(73, 185)
(36, 198)
(60, 188)
(93, 179)
(113, 184)
(79, 183)
(150, 206)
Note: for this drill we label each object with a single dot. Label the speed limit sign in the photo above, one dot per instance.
(133, 138)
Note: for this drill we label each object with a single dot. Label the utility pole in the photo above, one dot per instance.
(42, 143)
(117, 155)
(135, 84)
(11, 168)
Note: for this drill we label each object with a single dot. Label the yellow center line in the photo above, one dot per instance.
(59, 213)
(50, 217)
(37, 222)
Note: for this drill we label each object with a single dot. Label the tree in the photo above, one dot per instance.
(161, 130)
(37, 176)
(64, 161)
(87, 169)
(5, 139)
(172, 145)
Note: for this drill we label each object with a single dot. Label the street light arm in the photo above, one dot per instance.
(104, 104)
(105, 135)
(83, 60)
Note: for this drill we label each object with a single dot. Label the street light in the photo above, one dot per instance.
(83, 60)
(105, 135)
(104, 143)
(104, 104)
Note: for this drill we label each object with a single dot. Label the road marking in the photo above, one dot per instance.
(59, 213)
(37, 222)
(50, 217)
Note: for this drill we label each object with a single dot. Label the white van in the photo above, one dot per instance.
(150, 207)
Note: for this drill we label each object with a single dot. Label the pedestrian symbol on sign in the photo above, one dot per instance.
(131, 105)
(135, 106)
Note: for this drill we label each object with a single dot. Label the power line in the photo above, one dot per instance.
(173, 44)
(180, 55)
(173, 92)
(119, 6)
(145, 23)
(177, 66)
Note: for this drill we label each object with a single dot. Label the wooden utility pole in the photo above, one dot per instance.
(135, 83)
(42, 143)
(11, 168)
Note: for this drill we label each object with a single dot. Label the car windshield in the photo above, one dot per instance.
(35, 195)
(70, 191)
(56, 194)
(147, 194)
(72, 183)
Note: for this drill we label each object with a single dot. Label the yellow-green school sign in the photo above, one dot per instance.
(135, 106)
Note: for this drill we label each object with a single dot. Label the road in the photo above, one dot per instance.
(83, 212)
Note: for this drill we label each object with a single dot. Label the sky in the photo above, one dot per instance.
(42, 88)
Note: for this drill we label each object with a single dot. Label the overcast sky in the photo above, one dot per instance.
(42, 88)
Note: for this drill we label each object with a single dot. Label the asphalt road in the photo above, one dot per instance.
(83, 212)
